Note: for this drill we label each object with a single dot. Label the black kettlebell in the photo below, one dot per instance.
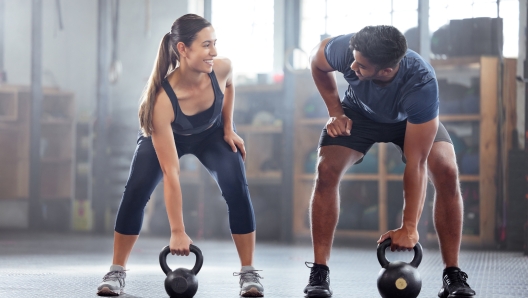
(399, 279)
(181, 283)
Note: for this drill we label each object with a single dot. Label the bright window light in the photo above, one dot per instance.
(245, 34)
(335, 17)
(345, 16)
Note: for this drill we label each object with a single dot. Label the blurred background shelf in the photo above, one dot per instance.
(57, 152)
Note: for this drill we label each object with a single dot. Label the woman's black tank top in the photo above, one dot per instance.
(199, 122)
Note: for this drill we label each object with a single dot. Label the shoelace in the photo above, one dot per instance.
(318, 275)
(248, 276)
(458, 277)
(115, 276)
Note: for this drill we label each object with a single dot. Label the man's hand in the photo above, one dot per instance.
(401, 239)
(339, 126)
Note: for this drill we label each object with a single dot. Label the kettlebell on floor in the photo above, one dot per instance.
(181, 283)
(399, 279)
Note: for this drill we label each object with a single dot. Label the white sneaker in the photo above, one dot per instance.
(113, 283)
(250, 285)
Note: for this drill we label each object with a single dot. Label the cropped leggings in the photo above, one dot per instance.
(224, 165)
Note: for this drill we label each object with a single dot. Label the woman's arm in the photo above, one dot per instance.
(163, 141)
(226, 72)
(229, 93)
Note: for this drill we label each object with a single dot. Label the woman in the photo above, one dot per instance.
(186, 108)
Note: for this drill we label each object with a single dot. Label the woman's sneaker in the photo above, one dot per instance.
(455, 285)
(113, 282)
(250, 285)
(319, 282)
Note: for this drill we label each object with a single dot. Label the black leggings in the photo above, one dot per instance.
(224, 165)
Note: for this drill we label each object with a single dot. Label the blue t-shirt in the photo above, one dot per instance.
(412, 95)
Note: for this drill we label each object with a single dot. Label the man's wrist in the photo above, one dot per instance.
(336, 111)
(410, 224)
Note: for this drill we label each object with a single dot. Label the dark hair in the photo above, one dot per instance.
(384, 46)
(184, 29)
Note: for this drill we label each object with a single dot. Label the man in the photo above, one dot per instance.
(392, 97)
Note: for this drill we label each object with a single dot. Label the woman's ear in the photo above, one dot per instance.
(180, 47)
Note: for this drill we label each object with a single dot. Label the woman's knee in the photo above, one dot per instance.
(241, 218)
(240, 212)
(131, 209)
(128, 221)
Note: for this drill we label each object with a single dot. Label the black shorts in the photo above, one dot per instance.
(365, 132)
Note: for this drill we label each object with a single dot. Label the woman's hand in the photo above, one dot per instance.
(235, 142)
(180, 244)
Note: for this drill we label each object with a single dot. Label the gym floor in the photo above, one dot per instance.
(72, 265)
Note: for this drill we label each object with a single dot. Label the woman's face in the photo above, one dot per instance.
(202, 51)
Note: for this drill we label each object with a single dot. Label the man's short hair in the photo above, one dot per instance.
(384, 46)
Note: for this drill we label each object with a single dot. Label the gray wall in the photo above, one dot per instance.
(70, 55)
(138, 50)
(69, 59)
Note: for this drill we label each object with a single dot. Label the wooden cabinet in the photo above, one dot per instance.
(56, 147)
(372, 192)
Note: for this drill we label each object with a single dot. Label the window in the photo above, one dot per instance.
(441, 11)
(245, 35)
(336, 17)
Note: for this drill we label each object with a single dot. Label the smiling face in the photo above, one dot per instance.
(363, 68)
(200, 54)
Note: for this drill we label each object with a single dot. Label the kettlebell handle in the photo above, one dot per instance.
(417, 259)
(193, 248)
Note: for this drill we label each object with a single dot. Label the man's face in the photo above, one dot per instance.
(363, 68)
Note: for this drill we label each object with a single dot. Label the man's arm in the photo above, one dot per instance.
(323, 76)
(419, 140)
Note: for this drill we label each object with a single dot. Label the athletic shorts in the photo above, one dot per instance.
(365, 132)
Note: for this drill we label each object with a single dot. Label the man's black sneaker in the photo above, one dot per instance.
(455, 285)
(319, 283)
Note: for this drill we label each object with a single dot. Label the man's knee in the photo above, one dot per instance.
(445, 178)
(445, 171)
(328, 174)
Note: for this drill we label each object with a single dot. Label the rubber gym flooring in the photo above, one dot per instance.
(72, 265)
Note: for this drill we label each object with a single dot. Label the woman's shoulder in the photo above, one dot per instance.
(163, 110)
(162, 98)
(222, 66)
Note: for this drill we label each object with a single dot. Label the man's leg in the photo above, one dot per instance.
(332, 163)
(448, 218)
(448, 206)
